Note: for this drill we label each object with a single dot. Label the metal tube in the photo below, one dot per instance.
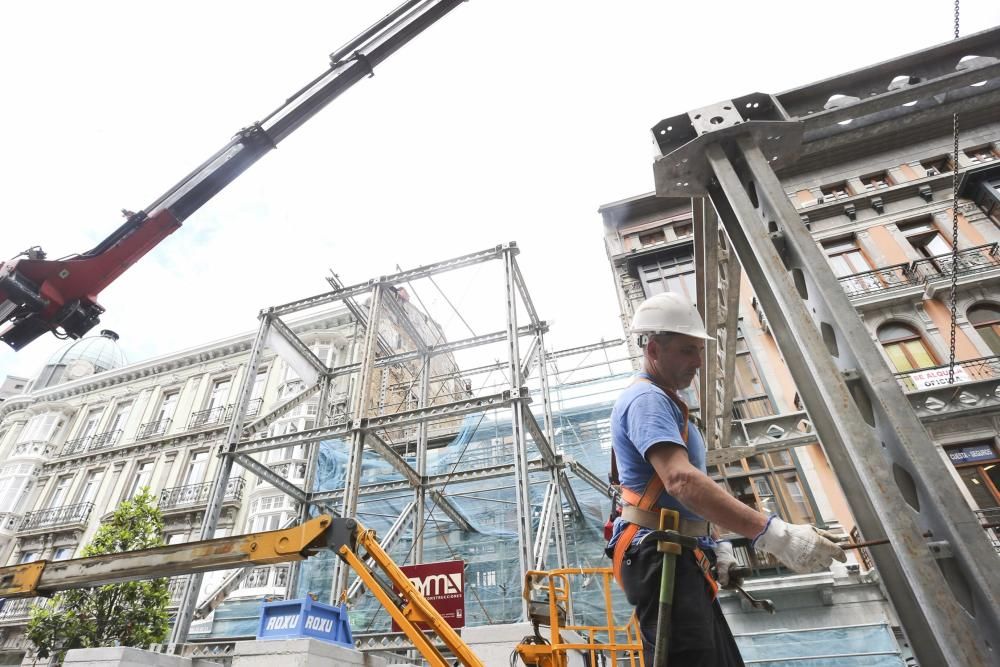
(189, 598)
(521, 474)
(934, 622)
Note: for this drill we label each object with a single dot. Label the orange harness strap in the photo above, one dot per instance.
(647, 501)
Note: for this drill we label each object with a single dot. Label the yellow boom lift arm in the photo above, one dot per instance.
(345, 537)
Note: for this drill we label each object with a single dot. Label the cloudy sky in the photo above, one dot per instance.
(508, 120)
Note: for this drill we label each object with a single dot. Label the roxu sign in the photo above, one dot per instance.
(294, 619)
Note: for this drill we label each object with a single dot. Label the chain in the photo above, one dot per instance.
(954, 232)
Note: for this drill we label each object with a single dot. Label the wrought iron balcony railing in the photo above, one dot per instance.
(990, 519)
(197, 494)
(972, 370)
(921, 272)
(103, 440)
(216, 415)
(253, 407)
(878, 280)
(77, 446)
(18, 609)
(92, 443)
(970, 261)
(56, 517)
(153, 429)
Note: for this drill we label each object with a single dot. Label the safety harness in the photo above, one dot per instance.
(646, 500)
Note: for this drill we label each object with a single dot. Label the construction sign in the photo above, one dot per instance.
(443, 584)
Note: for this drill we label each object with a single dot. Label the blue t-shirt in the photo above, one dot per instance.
(644, 416)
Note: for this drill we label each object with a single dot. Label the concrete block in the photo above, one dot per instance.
(299, 653)
(123, 656)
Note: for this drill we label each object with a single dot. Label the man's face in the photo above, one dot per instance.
(674, 360)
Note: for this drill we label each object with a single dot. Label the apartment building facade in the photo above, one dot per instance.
(91, 430)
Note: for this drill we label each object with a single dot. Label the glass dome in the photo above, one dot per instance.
(80, 358)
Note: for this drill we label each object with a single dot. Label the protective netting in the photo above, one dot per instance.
(860, 646)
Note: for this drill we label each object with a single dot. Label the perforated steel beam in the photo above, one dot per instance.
(896, 483)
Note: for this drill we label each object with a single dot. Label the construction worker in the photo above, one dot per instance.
(659, 456)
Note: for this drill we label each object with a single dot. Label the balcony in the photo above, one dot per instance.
(925, 274)
(971, 261)
(176, 589)
(9, 521)
(153, 429)
(104, 440)
(216, 415)
(32, 448)
(16, 612)
(253, 407)
(990, 520)
(66, 516)
(972, 370)
(194, 495)
(92, 443)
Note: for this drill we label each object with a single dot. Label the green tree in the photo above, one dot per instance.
(129, 614)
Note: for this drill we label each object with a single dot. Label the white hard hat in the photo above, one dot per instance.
(668, 312)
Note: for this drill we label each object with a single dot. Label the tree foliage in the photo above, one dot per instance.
(129, 614)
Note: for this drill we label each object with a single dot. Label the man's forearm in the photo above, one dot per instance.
(697, 492)
(701, 495)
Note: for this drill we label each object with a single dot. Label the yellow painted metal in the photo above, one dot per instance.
(407, 606)
(622, 642)
(276, 546)
(669, 520)
(21, 580)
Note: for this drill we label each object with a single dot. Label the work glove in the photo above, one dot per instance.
(725, 560)
(801, 547)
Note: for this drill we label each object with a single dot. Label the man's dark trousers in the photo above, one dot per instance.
(700, 636)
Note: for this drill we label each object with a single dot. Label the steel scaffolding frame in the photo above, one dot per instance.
(939, 568)
(364, 427)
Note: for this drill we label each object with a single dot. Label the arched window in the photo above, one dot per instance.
(906, 349)
(985, 318)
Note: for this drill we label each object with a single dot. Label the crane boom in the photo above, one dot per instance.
(39, 295)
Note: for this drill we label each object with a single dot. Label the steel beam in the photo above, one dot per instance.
(546, 517)
(389, 538)
(451, 511)
(444, 411)
(392, 279)
(441, 480)
(897, 485)
(517, 419)
(255, 467)
(541, 442)
(420, 492)
(360, 406)
(522, 289)
(213, 509)
(265, 420)
(298, 438)
(385, 450)
(285, 332)
(562, 486)
(435, 350)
